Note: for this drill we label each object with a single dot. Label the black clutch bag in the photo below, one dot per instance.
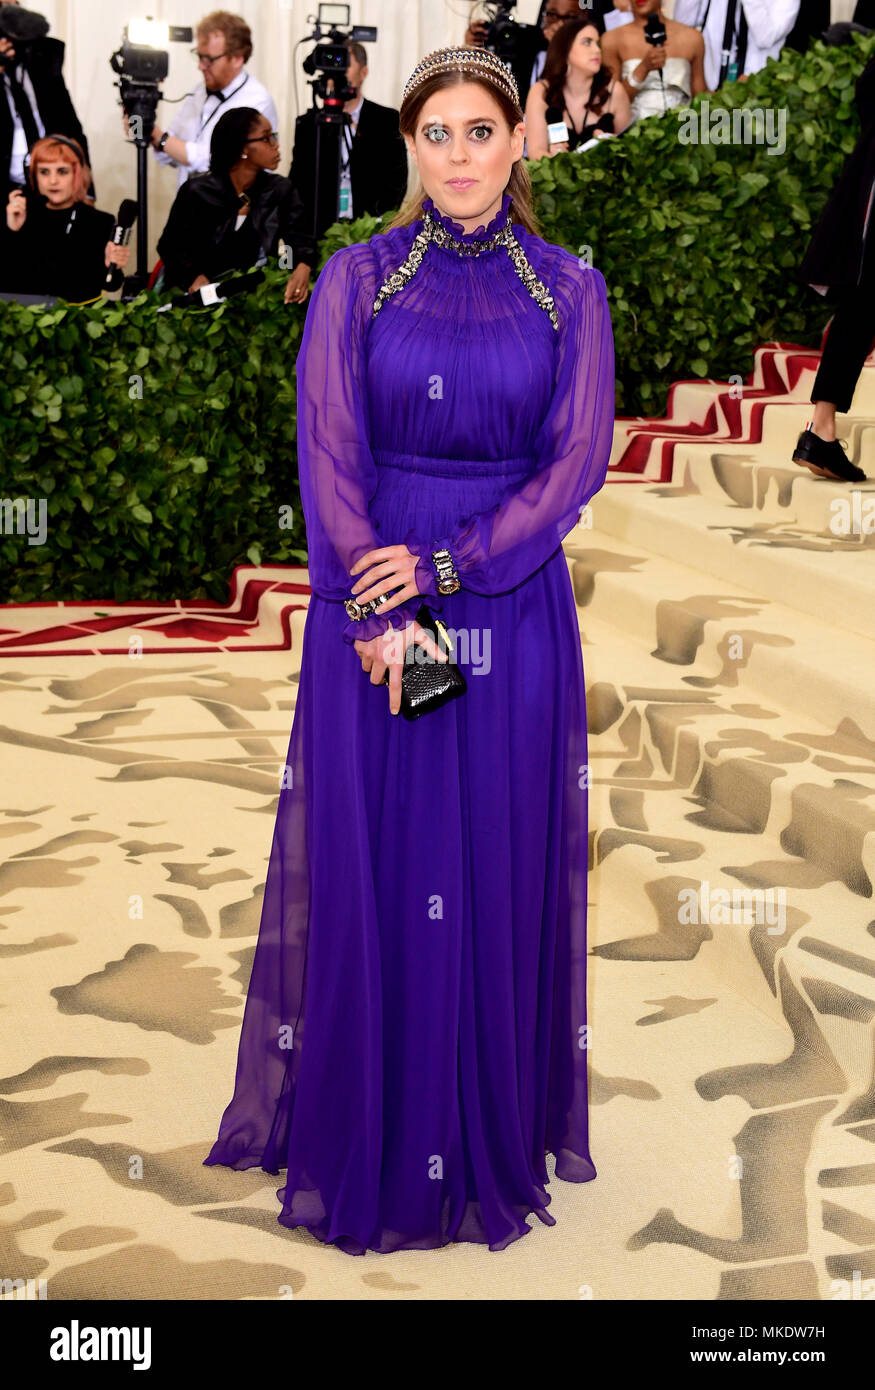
(427, 684)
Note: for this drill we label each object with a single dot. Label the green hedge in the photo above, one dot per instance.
(165, 443)
(700, 244)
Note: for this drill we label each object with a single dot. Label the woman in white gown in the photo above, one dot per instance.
(657, 78)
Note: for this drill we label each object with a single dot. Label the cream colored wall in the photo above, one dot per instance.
(92, 29)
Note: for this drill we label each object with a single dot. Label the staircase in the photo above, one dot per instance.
(726, 602)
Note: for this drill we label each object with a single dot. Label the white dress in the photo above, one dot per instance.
(651, 99)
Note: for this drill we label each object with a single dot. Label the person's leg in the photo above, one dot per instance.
(848, 344)
(824, 422)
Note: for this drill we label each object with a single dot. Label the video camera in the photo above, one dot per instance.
(331, 60)
(142, 63)
(507, 37)
(142, 66)
(22, 28)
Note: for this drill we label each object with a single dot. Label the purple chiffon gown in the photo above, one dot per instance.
(414, 1037)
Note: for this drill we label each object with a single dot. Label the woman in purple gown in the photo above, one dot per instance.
(414, 1039)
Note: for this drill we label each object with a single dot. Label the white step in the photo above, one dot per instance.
(829, 579)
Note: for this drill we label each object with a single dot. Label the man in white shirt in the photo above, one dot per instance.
(767, 23)
(224, 46)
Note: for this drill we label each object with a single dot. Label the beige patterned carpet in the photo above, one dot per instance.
(728, 642)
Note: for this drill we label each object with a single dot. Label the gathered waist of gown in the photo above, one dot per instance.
(432, 496)
(430, 466)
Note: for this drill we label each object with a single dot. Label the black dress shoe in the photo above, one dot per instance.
(827, 458)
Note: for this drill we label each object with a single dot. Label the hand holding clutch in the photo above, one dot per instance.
(415, 686)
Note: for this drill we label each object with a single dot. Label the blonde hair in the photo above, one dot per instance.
(519, 184)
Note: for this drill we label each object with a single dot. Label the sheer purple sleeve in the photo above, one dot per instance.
(335, 467)
(496, 550)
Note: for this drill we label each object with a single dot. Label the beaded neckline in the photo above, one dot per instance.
(433, 230)
(455, 232)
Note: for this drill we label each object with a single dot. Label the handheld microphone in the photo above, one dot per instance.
(655, 34)
(215, 292)
(127, 216)
(654, 31)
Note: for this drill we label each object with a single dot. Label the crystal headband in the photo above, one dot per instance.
(473, 61)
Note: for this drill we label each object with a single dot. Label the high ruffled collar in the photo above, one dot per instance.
(456, 230)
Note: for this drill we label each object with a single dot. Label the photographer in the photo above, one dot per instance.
(234, 216)
(55, 242)
(373, 158)
(224, 46)
(34, 97)
(527, 63)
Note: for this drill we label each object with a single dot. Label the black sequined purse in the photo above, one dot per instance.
(427, 684)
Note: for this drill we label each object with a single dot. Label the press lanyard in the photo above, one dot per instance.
(728, 62)
(219, 104)
(729, 66)
(345, 191)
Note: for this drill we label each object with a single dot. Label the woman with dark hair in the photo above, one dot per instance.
(840, 263)
(415, 1037)
(576, 91)
(233, 217)
(56, 242)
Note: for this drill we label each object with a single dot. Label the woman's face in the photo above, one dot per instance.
(55, 180)
(585, 53)
(464, 152)
(262, 153)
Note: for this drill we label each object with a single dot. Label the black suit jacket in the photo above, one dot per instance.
(814, 16)
(199, 238)
(44, 63)
(377, 165)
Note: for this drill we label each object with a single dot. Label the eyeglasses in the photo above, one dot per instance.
(272, 138)
(550, 15)
(202, 58)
